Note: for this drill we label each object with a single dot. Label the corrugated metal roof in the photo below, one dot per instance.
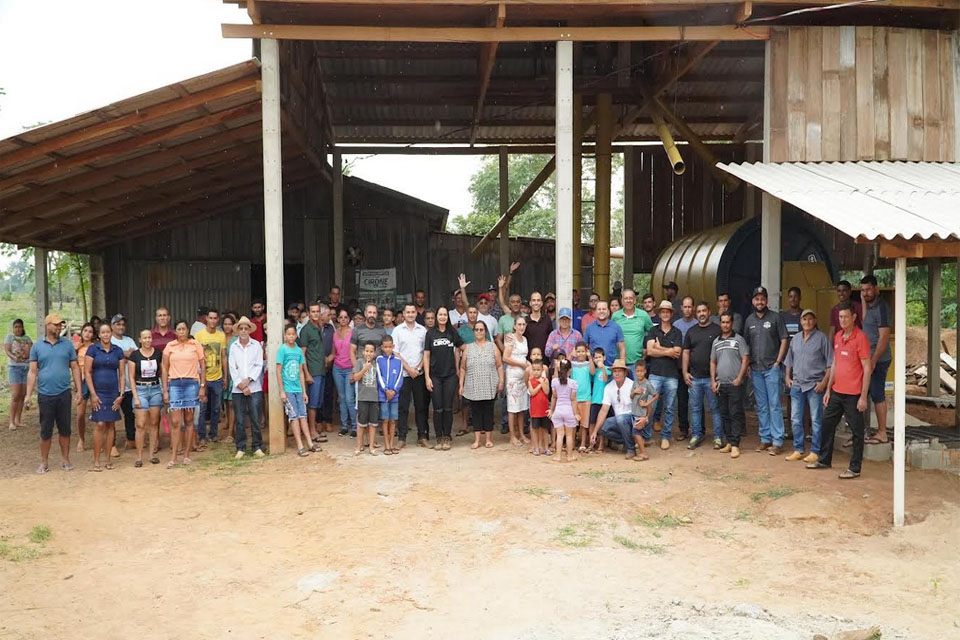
(867, 200)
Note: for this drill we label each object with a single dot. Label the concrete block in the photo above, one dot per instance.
(932, 459)
(878, 452)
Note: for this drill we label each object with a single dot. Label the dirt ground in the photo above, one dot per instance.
(476, 544)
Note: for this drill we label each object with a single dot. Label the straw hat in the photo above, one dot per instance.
(244, 320)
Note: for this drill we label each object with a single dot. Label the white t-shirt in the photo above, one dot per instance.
(623, 405)
(490, 321)
(457, 318)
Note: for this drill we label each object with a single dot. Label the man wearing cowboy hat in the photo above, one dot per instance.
(53, 362)
(619, 426)
(246, 370)
(664, 349)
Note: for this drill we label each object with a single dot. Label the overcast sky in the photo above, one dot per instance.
(62, 57)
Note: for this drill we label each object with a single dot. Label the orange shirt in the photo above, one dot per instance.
(81, 352)
(847, 354)
(185, 359)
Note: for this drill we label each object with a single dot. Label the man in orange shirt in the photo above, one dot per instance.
(847, 389)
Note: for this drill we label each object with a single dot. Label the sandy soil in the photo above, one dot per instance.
(476, 544)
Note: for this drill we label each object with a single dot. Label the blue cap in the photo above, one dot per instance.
(565, 312)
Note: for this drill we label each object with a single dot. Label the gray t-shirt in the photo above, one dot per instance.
(791, 321)
(764, 336)
(877, 317)
(367, 386)
(646, 392)
(364, 334)
(728, 354)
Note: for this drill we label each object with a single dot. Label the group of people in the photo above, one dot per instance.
(571, 381)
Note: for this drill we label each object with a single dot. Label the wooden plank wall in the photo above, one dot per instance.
(863, 93)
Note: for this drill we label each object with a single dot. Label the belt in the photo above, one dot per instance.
(147, 384)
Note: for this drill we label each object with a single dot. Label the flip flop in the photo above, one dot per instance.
(475, 445)
(43, 469)
(489, 445)
(875, 440)
(138, 464)
(171, 464)
(108, 466)
(461, 432)
(96, 468)
(154, 460)
(66, 466)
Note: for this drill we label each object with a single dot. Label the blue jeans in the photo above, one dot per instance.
(766, 392)
(214, 399)
(666, 388)
(701, 387)
(348, 400)
(248, 407)
(620, 430)
(815, 401)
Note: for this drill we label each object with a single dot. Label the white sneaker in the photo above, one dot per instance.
(238, 456)
(259, 453)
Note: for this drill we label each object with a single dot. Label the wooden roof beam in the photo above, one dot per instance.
(515, 208)
(488, 57)
(136, 118)
(493, 34)
(292, 130)
(136, 142)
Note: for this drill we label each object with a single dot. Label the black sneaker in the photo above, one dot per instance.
(504, 430)
(353, 434)
(343, 432)
(817, 465)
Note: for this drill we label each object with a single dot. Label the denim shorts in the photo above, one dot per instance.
(184, 393)
(17, 374)
(150, 396)
(389, 410)
(294, 406)
(315, 392)
(878, 382)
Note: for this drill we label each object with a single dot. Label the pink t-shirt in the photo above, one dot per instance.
(342, 350)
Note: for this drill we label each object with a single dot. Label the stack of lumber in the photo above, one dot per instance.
(948, 372)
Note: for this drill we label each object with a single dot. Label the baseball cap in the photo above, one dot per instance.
(760, 291)
(116, 318)
(550, 295)
(810, 312)
(53, 318)
(565, 312)
(671, 285)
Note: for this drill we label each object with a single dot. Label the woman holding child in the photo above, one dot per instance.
(518, 399)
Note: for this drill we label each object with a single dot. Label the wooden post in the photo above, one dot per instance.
(934, 305)
(504, 205)
(601, 215)
(40, 293)
(337, 219)
(273, 231)
(577, 187)
(899, 388)
(565, 186)
(98, 292)
(629, 158)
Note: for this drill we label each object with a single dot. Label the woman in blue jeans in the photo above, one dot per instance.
(342, 369)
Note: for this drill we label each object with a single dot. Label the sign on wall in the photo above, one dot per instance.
(379, 286)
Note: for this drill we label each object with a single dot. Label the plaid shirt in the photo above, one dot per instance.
(557, 343)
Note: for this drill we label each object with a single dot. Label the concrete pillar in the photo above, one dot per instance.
(770, 249)
(601, 216)
(577, 188)
(504, 205)
(934, 305)
(338, 219)
(565, 185)
(899, 389)
(629, 158)
(98, 290)
(273, 230)
(41, 294)
(956, 403)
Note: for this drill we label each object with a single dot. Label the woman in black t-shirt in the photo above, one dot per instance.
(144, 367)
(440, 371)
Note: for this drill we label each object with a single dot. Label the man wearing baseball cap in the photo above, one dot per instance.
(664, 349)
(564, 337)
(670, 292)
(808, 363)
(53, 362)
(767, 337)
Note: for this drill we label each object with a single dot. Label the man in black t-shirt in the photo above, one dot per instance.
(696, 375)
(664, 347)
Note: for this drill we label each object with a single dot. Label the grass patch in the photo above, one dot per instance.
(743, 516)
(612, 476)
(223, 463)
(577, 536)
(721, 535)
(773, 494)
(534, 491)
(762, 479)
(39, 534)
(650, 548)
(710, 474)
(19, 552)
(654, 520)
(741, 583)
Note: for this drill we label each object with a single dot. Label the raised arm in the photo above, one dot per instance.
(462, 281)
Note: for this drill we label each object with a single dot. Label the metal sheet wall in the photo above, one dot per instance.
(181, 286)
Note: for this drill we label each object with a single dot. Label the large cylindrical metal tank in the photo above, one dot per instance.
(727, 259)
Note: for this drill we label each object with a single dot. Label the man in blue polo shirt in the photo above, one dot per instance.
(606, 334)
(52, 362)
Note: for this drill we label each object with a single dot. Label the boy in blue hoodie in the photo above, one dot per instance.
(389, 381)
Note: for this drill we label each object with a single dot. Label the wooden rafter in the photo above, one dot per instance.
(130, 144)
(177, 105)
(493, 34)
(488, 56)
(293, 130)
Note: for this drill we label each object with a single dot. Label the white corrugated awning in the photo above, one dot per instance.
(867, 200)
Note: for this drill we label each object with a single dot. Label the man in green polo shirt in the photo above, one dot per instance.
(311, 341)
(635, 325)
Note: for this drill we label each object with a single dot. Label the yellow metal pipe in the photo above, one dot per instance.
(601, 219)
(676, 161)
